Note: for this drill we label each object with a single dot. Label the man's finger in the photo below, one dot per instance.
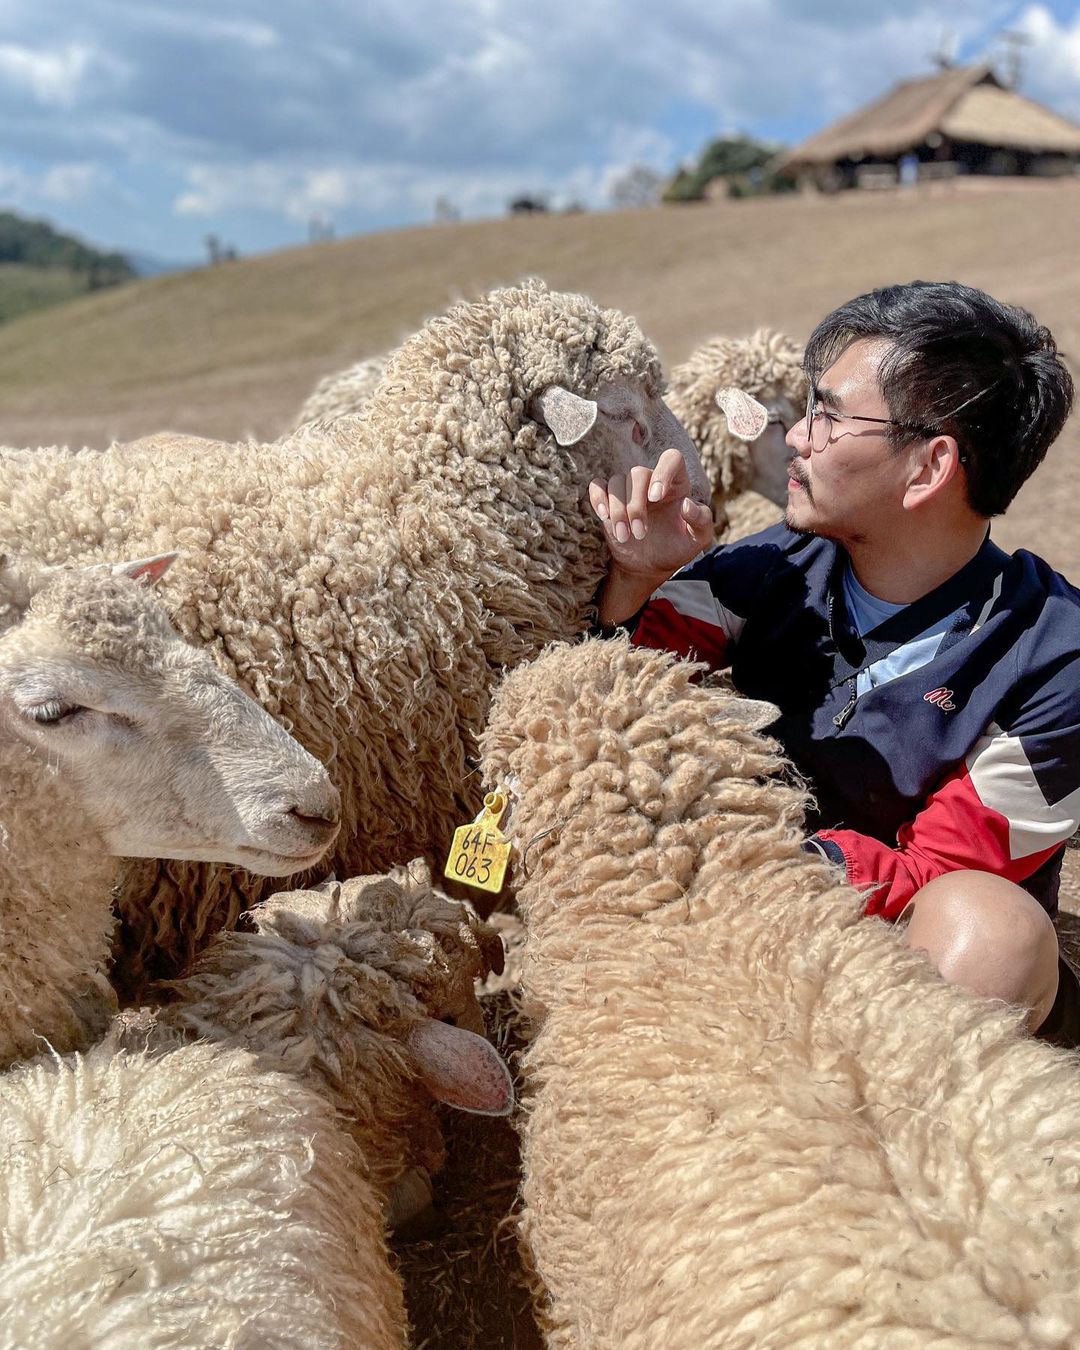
(616, 501)
(637, 509)
(669, 475)
(699, 522)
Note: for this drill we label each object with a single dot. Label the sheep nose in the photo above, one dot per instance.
(318, 810)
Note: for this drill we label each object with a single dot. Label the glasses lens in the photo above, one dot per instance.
(818, 425)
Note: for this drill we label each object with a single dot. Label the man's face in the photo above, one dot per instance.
(853, 488)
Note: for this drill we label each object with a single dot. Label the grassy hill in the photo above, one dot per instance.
(234, 349)
(24, 288)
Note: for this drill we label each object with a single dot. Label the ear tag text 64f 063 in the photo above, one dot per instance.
(480, 852)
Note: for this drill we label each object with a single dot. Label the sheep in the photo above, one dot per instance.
(119, 739)
(237, 1197)
(754, 1117)
(334, 981)
(183, 1197)
(368, 578)
(748, 469)
(342, 393)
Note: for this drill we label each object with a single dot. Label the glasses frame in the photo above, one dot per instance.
(814, 409)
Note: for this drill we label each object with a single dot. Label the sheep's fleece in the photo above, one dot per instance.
(185, 1198)
(365, 579)
(346, 391)
(756, 1118)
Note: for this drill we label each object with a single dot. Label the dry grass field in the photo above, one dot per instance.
(234, 350)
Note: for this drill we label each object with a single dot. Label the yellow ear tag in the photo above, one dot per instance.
(480, 851)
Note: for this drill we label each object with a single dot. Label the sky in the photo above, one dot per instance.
(146, 125)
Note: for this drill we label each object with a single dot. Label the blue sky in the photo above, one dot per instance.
(146, 125)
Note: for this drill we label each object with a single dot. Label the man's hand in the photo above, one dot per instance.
(653, 528)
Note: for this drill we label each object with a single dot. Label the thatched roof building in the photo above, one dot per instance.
(963, 118)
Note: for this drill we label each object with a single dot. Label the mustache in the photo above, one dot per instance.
(798, 473)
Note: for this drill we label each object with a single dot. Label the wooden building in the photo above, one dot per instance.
(959, 121)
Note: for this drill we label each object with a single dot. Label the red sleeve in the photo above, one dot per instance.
(957, 829)
(685, 617)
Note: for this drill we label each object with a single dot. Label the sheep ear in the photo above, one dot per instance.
(147, 570)
(567, 416)
(746, 417)
(754, 713)
(460, 1068)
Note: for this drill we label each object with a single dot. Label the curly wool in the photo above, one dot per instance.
(748, 513)
(56, 915)
(326, 988)
(184, 1197)
(344, 392)
(365, 580)
(766, 365)
(756, 1118)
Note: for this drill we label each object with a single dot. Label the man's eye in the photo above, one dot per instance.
(53, 712)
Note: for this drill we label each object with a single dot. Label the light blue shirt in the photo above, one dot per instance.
(867, 612)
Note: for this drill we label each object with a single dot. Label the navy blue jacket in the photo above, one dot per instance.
(969, 758)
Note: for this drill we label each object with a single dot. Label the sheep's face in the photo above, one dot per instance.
(625, 425)
(770, 453)
(142, 737)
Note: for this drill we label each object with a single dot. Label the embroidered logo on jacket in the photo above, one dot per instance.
(942, 697)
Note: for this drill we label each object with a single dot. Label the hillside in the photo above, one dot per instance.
(234, 349)
(40, 266)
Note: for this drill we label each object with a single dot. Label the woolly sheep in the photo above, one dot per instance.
(237, 1196)
(342, 393)
(119, 739)
(755, 1118)
(367, 579)
(331, 986)
(748, 471)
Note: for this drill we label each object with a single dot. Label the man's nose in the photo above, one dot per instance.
(797, 438)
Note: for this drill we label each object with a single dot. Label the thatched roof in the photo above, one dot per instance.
(964, 105)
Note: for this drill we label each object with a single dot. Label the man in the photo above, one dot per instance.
(928, 683)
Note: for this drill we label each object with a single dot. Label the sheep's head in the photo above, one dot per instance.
(367, 987)
(768, 368)
(140, 736)
(628, 779)
(530, 375)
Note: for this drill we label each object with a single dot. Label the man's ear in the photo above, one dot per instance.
(935, 465)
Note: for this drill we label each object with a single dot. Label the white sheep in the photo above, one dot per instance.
(232, 1193)
(755, 1118)
(342, 393)
(746, 463)
(368, 578)
(118, 739)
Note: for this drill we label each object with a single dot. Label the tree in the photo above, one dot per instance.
(741, 161)
(639, 185)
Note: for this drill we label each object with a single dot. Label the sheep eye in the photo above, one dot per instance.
(53, 712)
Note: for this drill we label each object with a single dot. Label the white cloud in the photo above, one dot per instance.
(1051, 63)
(365, 110)
(59, 183)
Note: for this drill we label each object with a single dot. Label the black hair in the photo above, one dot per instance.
(962, 363)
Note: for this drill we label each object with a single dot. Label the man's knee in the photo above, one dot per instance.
(988, 935)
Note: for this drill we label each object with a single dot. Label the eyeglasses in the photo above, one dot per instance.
(819, 423)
